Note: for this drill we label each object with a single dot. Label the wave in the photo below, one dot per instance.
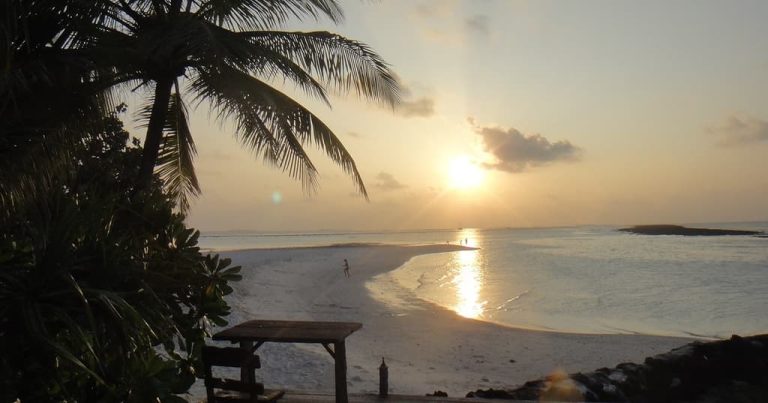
(504, 305)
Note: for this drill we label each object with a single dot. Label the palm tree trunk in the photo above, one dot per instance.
(154, 132)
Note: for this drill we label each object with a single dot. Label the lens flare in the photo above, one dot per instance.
(277, 197)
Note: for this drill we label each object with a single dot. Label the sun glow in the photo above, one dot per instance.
(464, 174)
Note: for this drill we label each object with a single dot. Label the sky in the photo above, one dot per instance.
(524, 114)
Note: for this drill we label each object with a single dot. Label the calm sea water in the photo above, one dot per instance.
(578, 279)
(245, 240)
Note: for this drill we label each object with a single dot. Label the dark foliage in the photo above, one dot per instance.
(104, 295)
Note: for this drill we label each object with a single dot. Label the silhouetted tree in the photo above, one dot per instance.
(50, 95)
(227, 53)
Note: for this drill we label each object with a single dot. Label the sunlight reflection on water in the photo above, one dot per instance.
(468, 280)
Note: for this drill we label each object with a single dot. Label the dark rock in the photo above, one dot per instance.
(734, 370)
(680, 230)
(490, 394)
(438, 393)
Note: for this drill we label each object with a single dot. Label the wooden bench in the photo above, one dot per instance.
(331, 335)
(246, 390)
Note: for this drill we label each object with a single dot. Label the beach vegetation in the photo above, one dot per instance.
(103, 298)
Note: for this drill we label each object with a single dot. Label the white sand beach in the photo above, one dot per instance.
(426, 347)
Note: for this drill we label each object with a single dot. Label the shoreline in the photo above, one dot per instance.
(344, 245)
(427, 347)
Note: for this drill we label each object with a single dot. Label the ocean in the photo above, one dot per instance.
(589, 279)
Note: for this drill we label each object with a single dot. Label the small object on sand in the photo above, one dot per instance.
(512, 361)
(383, 379)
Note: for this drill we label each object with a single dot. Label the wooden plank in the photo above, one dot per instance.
(289, 331)
(230, 357)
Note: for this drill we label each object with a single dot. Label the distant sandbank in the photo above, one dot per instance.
(666, 229)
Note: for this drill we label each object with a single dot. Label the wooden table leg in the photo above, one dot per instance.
(340, 361)
(245, 374)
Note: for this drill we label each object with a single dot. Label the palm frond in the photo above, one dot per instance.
(219, 46)
(272, 124)
(124, 316)
(49, 323)
(343, 64)
(258, 132)
(266, 14)
(176, 159)
(79, 342)
(68, 356)
(34, 154)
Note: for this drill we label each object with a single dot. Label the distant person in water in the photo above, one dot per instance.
(346, 268)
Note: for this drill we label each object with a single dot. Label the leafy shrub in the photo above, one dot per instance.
(104, 294)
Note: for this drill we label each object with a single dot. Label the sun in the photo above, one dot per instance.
(464, 174)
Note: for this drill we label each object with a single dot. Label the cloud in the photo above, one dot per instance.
(436, 21)
(354, 135)
(516, 152)
(478, 24)
(435, 9)
(737, 131)
(386, 181)
(421, 107)
(447, 22)
(410, 107)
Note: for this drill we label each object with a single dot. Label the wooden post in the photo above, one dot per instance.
(383, 379)
(341, 372)
(245, 375)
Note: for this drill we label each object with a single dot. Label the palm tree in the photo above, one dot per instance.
(227, 52)
(50, 97)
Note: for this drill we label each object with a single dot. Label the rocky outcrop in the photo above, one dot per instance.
(680, 230)
(734, 370)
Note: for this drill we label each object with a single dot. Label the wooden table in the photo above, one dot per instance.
(282, 331)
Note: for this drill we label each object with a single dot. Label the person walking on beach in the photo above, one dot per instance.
(346, 268)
